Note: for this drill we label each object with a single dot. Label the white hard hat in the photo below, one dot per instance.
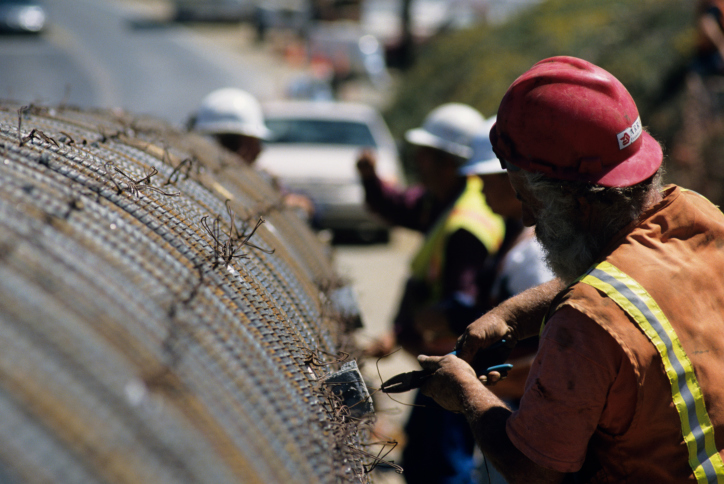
(483, 160)
(231, 110)
(449, 128)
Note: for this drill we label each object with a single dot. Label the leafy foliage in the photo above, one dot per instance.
(647, 44)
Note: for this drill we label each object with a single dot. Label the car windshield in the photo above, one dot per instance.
(320, 131)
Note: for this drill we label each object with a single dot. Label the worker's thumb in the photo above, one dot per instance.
(429, 362)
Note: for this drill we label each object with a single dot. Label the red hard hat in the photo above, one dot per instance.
(570, 119)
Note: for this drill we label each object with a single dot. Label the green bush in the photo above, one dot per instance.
(647, 44)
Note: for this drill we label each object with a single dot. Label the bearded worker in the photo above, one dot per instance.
(628, 382)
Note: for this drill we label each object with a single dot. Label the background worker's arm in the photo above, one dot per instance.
(455, 387)
(399, 206)
(514, 319)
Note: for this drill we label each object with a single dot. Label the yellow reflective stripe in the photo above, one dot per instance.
(687, 396)
(469, 212)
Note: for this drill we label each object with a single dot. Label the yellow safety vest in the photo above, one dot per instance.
(698, 432)
(469, 212)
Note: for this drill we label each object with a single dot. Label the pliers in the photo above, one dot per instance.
(490, 358)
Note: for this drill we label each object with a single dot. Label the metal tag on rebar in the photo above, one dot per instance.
(348, 384)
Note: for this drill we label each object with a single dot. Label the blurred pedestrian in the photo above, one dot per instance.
(628, 382)
(461, 232)
(234, 118)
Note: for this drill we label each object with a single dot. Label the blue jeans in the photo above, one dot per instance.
(439, 446)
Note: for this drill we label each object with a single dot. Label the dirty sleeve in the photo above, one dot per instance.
(579, 381)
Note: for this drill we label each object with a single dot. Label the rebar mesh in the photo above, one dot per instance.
(153, 328)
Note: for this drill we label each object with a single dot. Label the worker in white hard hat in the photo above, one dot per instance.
(234, 117)
(439, 299)
(236, 120)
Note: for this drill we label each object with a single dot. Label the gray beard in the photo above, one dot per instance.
(569, 251)
(570, 248)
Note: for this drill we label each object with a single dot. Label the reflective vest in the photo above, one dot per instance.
(469, 212)
(666, 278)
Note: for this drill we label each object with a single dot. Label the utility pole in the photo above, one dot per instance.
(407, 47)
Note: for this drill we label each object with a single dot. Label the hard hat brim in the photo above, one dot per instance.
(422, 137)
(220, 127)
(636, 168)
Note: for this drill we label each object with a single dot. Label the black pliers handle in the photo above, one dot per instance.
(491, 358)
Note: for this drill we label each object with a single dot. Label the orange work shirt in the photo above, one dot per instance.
(597, 399)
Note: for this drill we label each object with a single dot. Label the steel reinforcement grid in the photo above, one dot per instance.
(163, 318)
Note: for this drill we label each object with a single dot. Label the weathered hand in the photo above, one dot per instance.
(451, 381)
(482, 333)
(514, 319)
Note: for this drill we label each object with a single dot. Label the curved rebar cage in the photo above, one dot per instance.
(162, 317)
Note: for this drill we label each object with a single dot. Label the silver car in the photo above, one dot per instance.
(314, 151)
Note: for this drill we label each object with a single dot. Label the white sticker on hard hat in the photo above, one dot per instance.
(629, 135)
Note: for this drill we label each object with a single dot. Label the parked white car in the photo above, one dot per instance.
(314, 150)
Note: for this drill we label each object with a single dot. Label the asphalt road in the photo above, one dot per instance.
(104, 53)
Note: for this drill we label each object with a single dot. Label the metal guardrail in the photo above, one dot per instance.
(152, 328)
